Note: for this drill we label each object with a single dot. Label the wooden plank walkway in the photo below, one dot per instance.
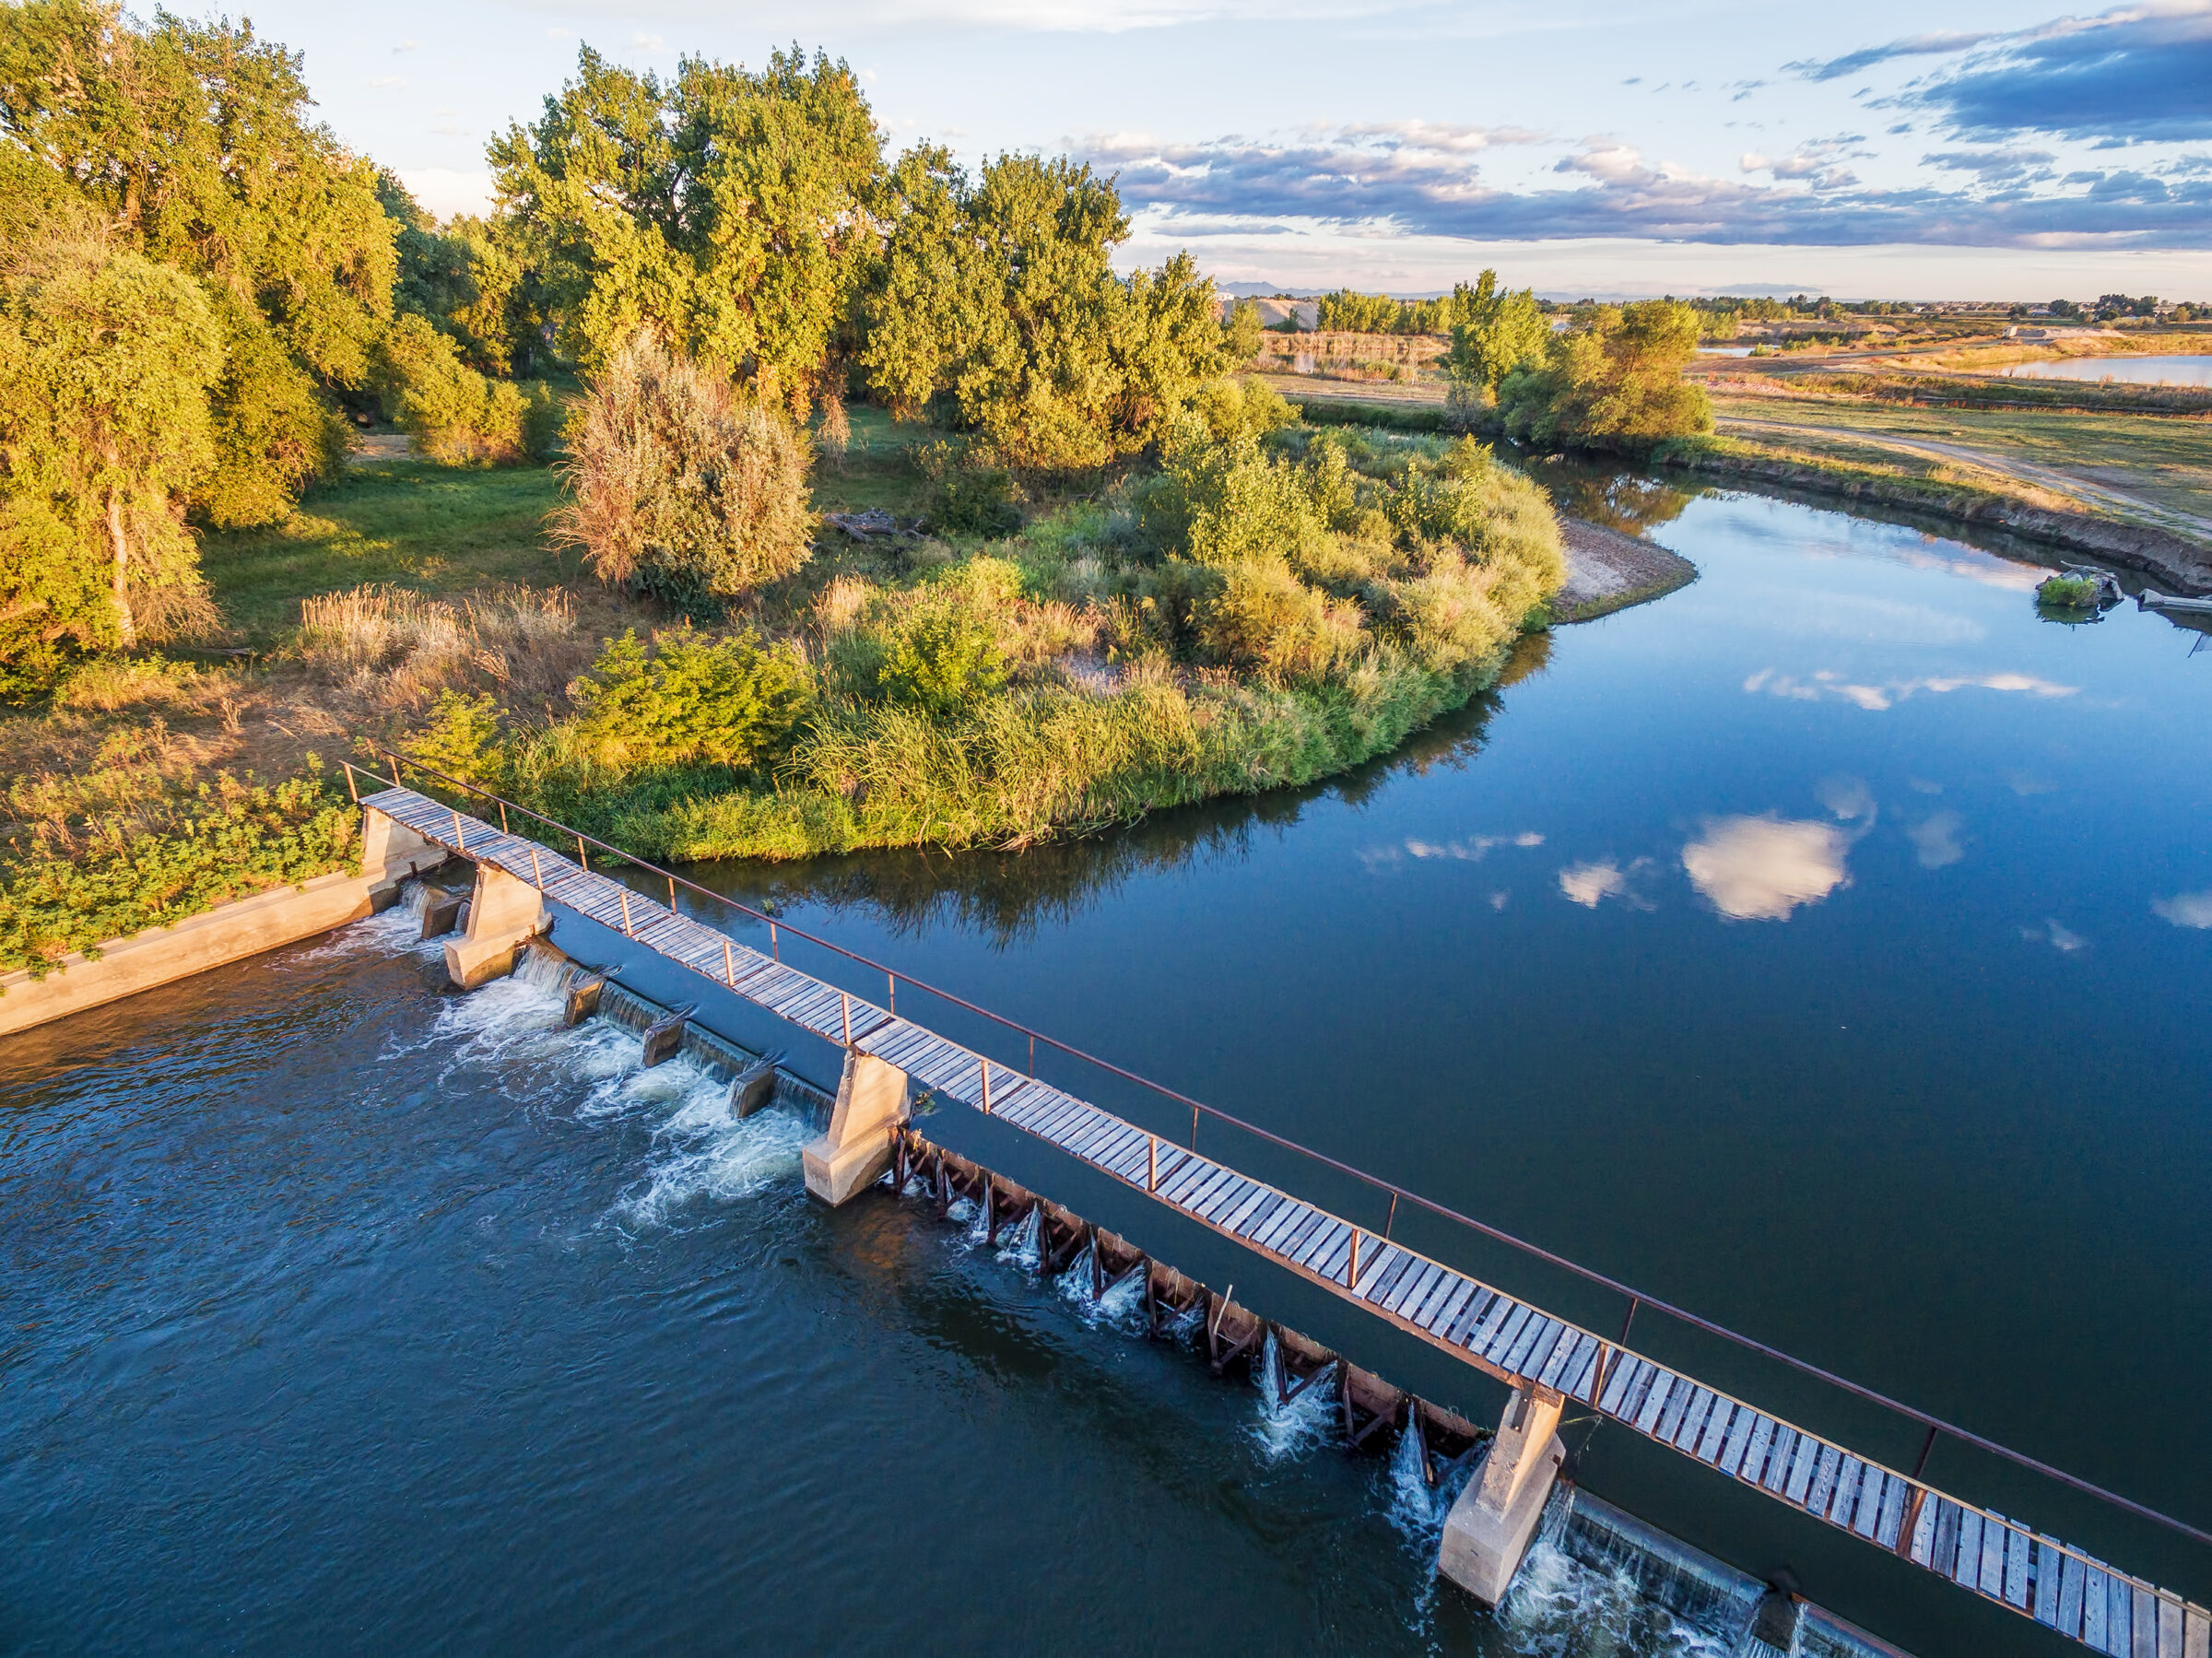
(2001, 1559)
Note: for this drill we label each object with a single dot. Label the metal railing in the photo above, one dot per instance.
(1637, 1300)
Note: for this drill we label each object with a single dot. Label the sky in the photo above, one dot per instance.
(1980, 149)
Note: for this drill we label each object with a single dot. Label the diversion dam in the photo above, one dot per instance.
(1156, 1196)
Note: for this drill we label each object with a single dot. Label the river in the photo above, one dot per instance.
(2130, 370)
(1825, 947)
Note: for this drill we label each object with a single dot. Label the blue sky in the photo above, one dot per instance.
(1977, 149)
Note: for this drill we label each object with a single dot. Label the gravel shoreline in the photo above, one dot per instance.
(1608, 570)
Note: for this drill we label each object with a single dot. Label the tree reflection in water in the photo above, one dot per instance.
(1004, 897)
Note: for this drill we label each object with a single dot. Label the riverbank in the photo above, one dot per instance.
(1608, 569)
(1947, 487)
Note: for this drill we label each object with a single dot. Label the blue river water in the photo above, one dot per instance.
(1825, 947)
(2132, 371)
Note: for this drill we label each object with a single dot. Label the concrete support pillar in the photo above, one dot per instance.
(1489, 1527)
(390, 851)
(503, 912)
(871, 1100)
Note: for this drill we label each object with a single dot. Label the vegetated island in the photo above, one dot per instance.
(607, 582)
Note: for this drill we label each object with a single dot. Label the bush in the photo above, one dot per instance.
(274, 435)
(2067, 593)
(976, 497)
(689, 701)
(462, 739)
(943, 658)
(681, 485)
(1264, 618)
(457, 417)
(75, 888)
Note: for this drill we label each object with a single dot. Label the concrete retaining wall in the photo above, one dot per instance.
(161, 955)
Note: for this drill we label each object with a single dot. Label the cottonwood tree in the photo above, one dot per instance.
(1616, 381)
(106, 363)
(190, 143)
(999, 296)
(727, 210)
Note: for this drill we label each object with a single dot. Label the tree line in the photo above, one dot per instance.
(202, 288)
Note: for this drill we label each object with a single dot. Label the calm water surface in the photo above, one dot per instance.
(1826, 948)
(2132, 371)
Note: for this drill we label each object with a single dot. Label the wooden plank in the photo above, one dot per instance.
(1555, 1362)
(2197, 1633)
(1225, 1198)
(1518, 1338)
(1753, 1465)
(1923, 1552)
(1509, 1333)
(1990, 1578)
(2095, 1604)
(1494, 1319)
(1238, 1218)
(1625, 1368)
(1391, 1264)
(1425, 1308)
(2168, 1644)
(1424, 1277)
(1889, 1518)
(1802, 1466)
(1261, 1215)
(1843, 1500)
(1714, 1439)
(1967, 1573)
(1692, 1422)
(1469, 1318)
(1440, 1316)
(1291, 1227)
(2049, 1568)
(1308, 1237)
(1678, 1401)
(1664, 1383)
(1738, 1441)
(2017, 1546)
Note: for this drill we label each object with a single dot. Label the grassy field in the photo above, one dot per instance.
(428, 528)
(2155, 467)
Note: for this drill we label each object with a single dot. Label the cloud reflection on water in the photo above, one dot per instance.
(1875, 699)
(1763, 868)
(2185, 908)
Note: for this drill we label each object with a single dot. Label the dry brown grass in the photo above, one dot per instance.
(396, 650)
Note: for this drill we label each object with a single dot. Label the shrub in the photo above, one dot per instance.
(462, 739)
(681, 485)
(1264, 618)
(2067, 593)
(689, 701)
(74, 888)
(943, 658)
(976, 497)
(274, 435)
(457, 417)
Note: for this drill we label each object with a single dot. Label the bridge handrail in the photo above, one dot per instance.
(1637, 1299)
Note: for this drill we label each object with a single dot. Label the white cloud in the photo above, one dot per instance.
(644, 41)
(1762, 868)
(2185, 909)
(387, 80)
(1472, 850)
(2063, 939)
(1936, 841)
(1847, 797)
(1589, 884)
(406, 46)
(1874, 699)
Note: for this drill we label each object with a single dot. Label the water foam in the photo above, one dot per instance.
(1286, 1430)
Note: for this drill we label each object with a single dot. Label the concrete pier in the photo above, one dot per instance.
(856, 1149)
(504, 914)
(1489, 1527)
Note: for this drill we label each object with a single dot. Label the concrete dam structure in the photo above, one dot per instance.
(916, 1108)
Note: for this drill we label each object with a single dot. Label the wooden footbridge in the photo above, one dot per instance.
(1545, 1359)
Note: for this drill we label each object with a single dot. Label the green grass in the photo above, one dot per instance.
(2164, 460)
(432, 529)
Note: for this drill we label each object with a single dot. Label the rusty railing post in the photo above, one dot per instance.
(982, 1069)
(844, 1006)
(623, 895)
(729, 965)
(538, 872)
(459, 844)
(1351, 1266)
(1152, 1163)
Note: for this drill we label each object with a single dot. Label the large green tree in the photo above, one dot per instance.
(106, 363)
(1494, 331)
(1000, 296)
(191, 144)
(1616, 382)
(726, 210)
